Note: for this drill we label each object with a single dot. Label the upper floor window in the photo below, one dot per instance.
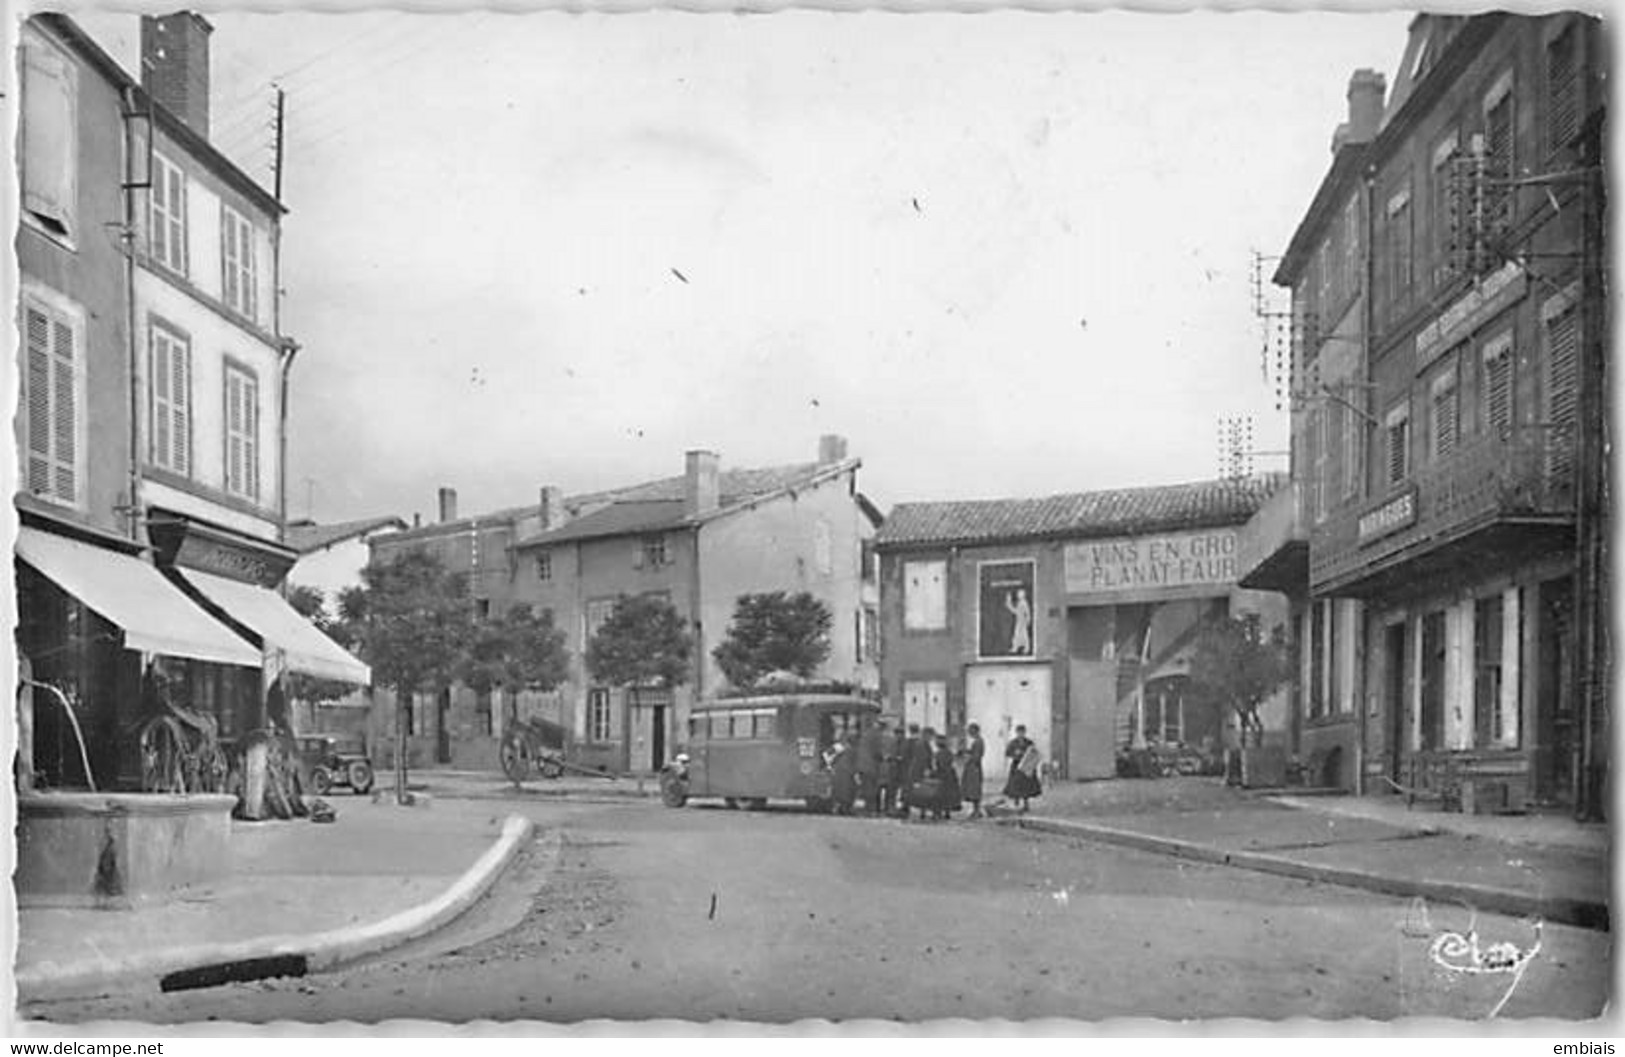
(1442, 215)
(169, 399)
(1396, 430)
(1496, 405)
(1400, 247)
(166, 228)
(49, 137)
(597, 612)
(925, 596)
(51, 401)
(1562, 88)
(544, 565)
(1444, 406)
(242, 433)
(1499, 160)
(1561, 322)
(600, 717)
(238, 279)
(652, 553)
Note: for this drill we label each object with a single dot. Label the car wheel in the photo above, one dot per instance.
(360, 773)
(514, 759)
(321, 780)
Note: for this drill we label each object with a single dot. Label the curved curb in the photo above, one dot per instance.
(1559, 909)
(322, 950)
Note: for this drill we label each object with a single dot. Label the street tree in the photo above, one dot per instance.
(1237, 666)
(774, 632)
(645, 642)
(519, 650)
(414, 626)
(310, 603)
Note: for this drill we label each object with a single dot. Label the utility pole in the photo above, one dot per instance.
(281, 102)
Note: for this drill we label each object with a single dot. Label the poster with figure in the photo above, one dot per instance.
(1005, 609)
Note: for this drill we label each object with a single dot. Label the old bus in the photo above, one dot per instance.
(749, 750)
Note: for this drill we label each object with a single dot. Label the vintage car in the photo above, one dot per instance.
(329, 763)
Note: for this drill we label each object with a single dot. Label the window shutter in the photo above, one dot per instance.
(38, 328)
(1498, 137)
(234, 431)
(161, 417)
(1498, 393)
(1562, 338)
(1562, 90)
(177, 220)
(48, 127)
(65, 412)
(1398, 438)
(251, 443)
(228, 256)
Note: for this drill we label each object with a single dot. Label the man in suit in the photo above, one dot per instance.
(890, 769)
(871, 759)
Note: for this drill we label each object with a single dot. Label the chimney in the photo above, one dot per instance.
(448, 505)
(831, 448)
(175, 66)
(1366, 91)
(550, 507)
(701, 490)
(1340, 138)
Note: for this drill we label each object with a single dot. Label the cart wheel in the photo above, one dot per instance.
(550, 768)
(673, 790)
(515, 760)
(360, 773)
(321, 780)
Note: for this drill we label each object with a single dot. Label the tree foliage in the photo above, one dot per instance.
(774, 632)
(412, 621)
(310, 603)
(520, 650)
(645, 642)
(1237, 666)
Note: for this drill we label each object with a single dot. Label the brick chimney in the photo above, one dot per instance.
(1366, 91)
(702, 492)
(448, 505)
(831, 448)
(550, 508)
(175, 65)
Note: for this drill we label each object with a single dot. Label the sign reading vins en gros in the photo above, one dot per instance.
(1135, 563)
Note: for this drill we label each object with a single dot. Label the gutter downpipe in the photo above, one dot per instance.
(1367, 327)
(132, 512)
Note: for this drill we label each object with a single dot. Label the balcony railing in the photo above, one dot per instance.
(1524, 475)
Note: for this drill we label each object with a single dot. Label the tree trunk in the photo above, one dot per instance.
(403, 702)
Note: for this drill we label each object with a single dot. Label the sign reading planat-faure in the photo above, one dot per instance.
(1135, 563)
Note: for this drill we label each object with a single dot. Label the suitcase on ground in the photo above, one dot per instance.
(925, 793)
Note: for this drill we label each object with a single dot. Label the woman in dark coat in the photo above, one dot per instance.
(843, 769)
(970, 778)
(1022, 784)
(942, 769)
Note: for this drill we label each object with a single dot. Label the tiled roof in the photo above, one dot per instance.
(1118, 512)
(306, 536)
(616, 519)
(735, 486)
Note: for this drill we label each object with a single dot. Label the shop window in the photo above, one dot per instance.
(925, 597)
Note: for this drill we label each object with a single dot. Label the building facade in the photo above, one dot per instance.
(1072, 615)
(1448, 444)
(699, 540)
(150, 428)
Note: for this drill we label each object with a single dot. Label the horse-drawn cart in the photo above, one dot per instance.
(541, 745)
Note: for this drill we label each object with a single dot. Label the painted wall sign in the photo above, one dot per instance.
(1392, 516)
(1472, 310)
(230, 562)
(1005, 609)
(1134, 563)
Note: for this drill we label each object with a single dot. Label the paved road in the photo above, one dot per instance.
(641, 912)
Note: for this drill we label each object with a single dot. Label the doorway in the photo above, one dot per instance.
(1433, 663)
(1395, 679)
(648, 742)
(1555, 727)
(442, 728)
(999, 698)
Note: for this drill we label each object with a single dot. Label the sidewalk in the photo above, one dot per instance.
(315, 893)
(1544, 866)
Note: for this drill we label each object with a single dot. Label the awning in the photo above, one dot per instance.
(307, 649)
(155, 615)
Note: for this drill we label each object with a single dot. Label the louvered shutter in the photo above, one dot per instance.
(1563, 346)
(177, 220)
(162, 421)
(234, 432)
(251, 436)
(1562, 90)
(38, 332)
(1498, 392)
(47, 162)
(1444, 405)
(229, 256)
(1398, 439)
(65, 412)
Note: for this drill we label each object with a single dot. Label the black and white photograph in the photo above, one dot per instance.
(728, 520)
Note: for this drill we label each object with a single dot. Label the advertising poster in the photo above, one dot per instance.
(1005, 626)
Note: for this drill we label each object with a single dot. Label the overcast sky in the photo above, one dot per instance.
(1004, 254)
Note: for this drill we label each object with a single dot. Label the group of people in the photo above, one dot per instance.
(897, 772)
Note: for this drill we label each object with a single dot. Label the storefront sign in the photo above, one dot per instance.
(1474, 308)
(1392, 516)
(231, 562)
(1005, 609)
(1134, 563)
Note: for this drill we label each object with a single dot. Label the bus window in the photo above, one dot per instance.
(693, 727)
(765, 724)
(719, 725)
(741, 725)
